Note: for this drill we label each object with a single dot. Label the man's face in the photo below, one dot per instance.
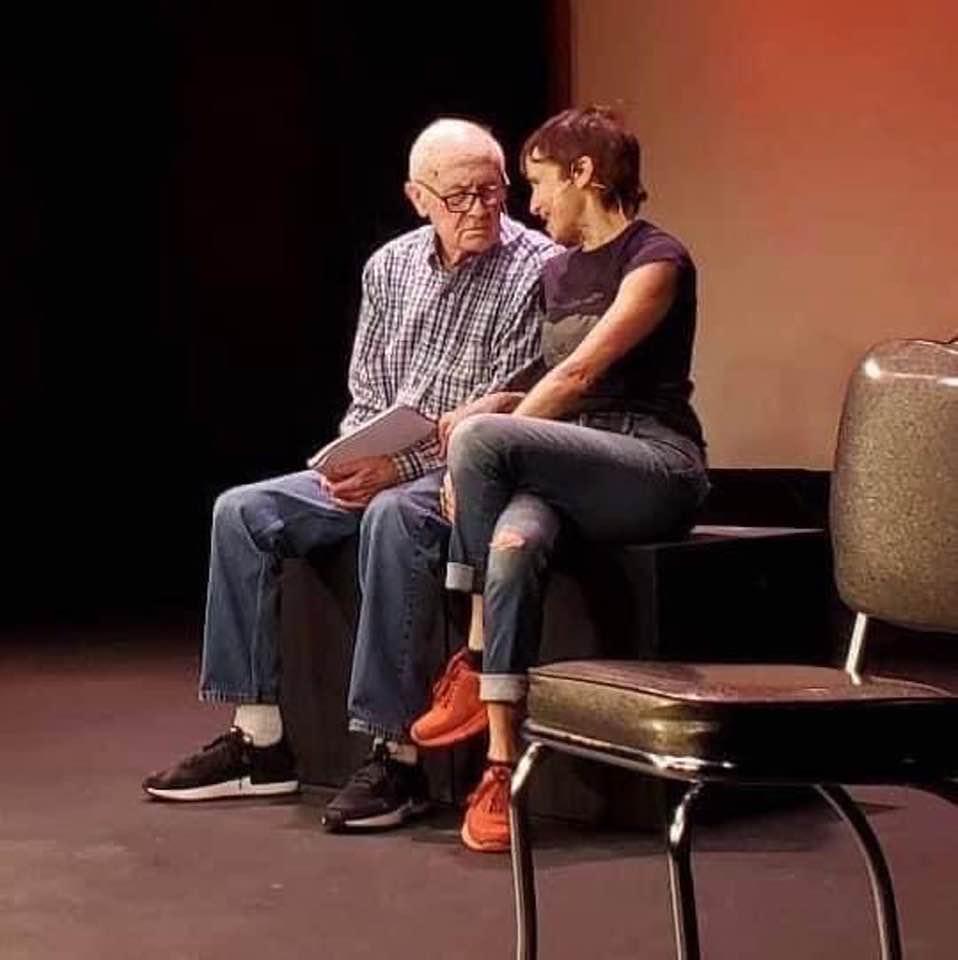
(555, 199)
(473, 227)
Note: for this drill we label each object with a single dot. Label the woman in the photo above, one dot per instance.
(605, 443)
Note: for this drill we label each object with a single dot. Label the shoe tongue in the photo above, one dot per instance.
(496, 778)
(233, 735)
(496, 786)
(372, 770)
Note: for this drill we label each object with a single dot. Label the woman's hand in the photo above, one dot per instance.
(502, 402)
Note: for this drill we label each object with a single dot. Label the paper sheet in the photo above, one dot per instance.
(389, 432)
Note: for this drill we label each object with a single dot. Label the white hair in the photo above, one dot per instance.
(449, 134)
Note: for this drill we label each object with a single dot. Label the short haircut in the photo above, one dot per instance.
(597, 133)
(451, 132)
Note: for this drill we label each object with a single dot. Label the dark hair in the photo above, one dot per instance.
(594, 132)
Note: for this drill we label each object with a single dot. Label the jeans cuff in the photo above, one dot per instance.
(459, 576)
(357, 725)
(503, 687)
(209, 695)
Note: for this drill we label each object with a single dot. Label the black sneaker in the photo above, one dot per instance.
(382, 793)
(230, 766)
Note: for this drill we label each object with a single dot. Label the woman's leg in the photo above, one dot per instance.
(514, 478)
(516, 576)
(503, 732)
(612, 487)
(521, 547)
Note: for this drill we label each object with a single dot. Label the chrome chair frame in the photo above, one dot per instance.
(697, 775)
(859, 521)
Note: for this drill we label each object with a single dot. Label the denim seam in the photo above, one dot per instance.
(410, 612)
(258, 621)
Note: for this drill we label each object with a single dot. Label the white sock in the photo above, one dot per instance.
(407, 753)
(261, 722)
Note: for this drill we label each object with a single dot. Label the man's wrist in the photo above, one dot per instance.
(406, 465)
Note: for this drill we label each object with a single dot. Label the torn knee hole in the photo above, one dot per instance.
(507, 539)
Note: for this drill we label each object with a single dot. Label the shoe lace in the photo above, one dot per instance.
(374, 769)
(233, 740)
(228, 737)
(445, 686)
(492, 794)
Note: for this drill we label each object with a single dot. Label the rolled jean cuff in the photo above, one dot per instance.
(503, 687)
(460, 576)
(356, 725)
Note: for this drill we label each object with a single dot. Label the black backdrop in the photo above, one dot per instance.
(192, 189)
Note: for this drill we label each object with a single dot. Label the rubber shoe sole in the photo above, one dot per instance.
(471, 728)
(488, 846)
(243, 787)
(381, 821)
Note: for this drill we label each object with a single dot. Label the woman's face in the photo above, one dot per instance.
(556, 200)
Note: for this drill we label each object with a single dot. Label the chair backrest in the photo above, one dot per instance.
(894, 498)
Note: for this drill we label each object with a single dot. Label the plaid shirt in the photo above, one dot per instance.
(434, 338)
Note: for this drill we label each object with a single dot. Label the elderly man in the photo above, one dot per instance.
(449, 312)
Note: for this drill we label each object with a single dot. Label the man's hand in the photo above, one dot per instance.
(447, 423)
(352, 485)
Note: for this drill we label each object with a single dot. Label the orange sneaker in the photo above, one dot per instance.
(485, 827)
(456, 713)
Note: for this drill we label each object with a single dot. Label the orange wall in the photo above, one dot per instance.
(808, 155)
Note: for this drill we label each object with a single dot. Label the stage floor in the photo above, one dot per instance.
(92, 870)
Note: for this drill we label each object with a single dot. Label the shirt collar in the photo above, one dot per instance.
(434, 259)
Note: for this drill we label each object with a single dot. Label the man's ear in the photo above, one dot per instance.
(582, 171)
(414, 193)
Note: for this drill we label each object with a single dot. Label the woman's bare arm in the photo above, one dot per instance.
(643, 299)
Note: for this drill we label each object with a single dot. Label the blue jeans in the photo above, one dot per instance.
(402, 539)
(518, 480)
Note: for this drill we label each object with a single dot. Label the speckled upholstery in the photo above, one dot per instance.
(895, 492)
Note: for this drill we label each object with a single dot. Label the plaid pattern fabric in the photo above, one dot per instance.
(434, 338)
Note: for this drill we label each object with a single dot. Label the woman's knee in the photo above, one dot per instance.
(528, 523)
(516, 554)
(475, 439)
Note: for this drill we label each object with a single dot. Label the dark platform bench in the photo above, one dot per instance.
(725, 593)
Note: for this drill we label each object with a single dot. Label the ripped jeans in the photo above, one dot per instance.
(518, 480)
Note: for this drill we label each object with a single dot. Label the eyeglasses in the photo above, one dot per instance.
(461, 201)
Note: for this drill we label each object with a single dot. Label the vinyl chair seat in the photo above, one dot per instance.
(769, 723)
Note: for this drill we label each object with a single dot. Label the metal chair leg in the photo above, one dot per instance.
(883, 894)
(681, 885)
(523, 871)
